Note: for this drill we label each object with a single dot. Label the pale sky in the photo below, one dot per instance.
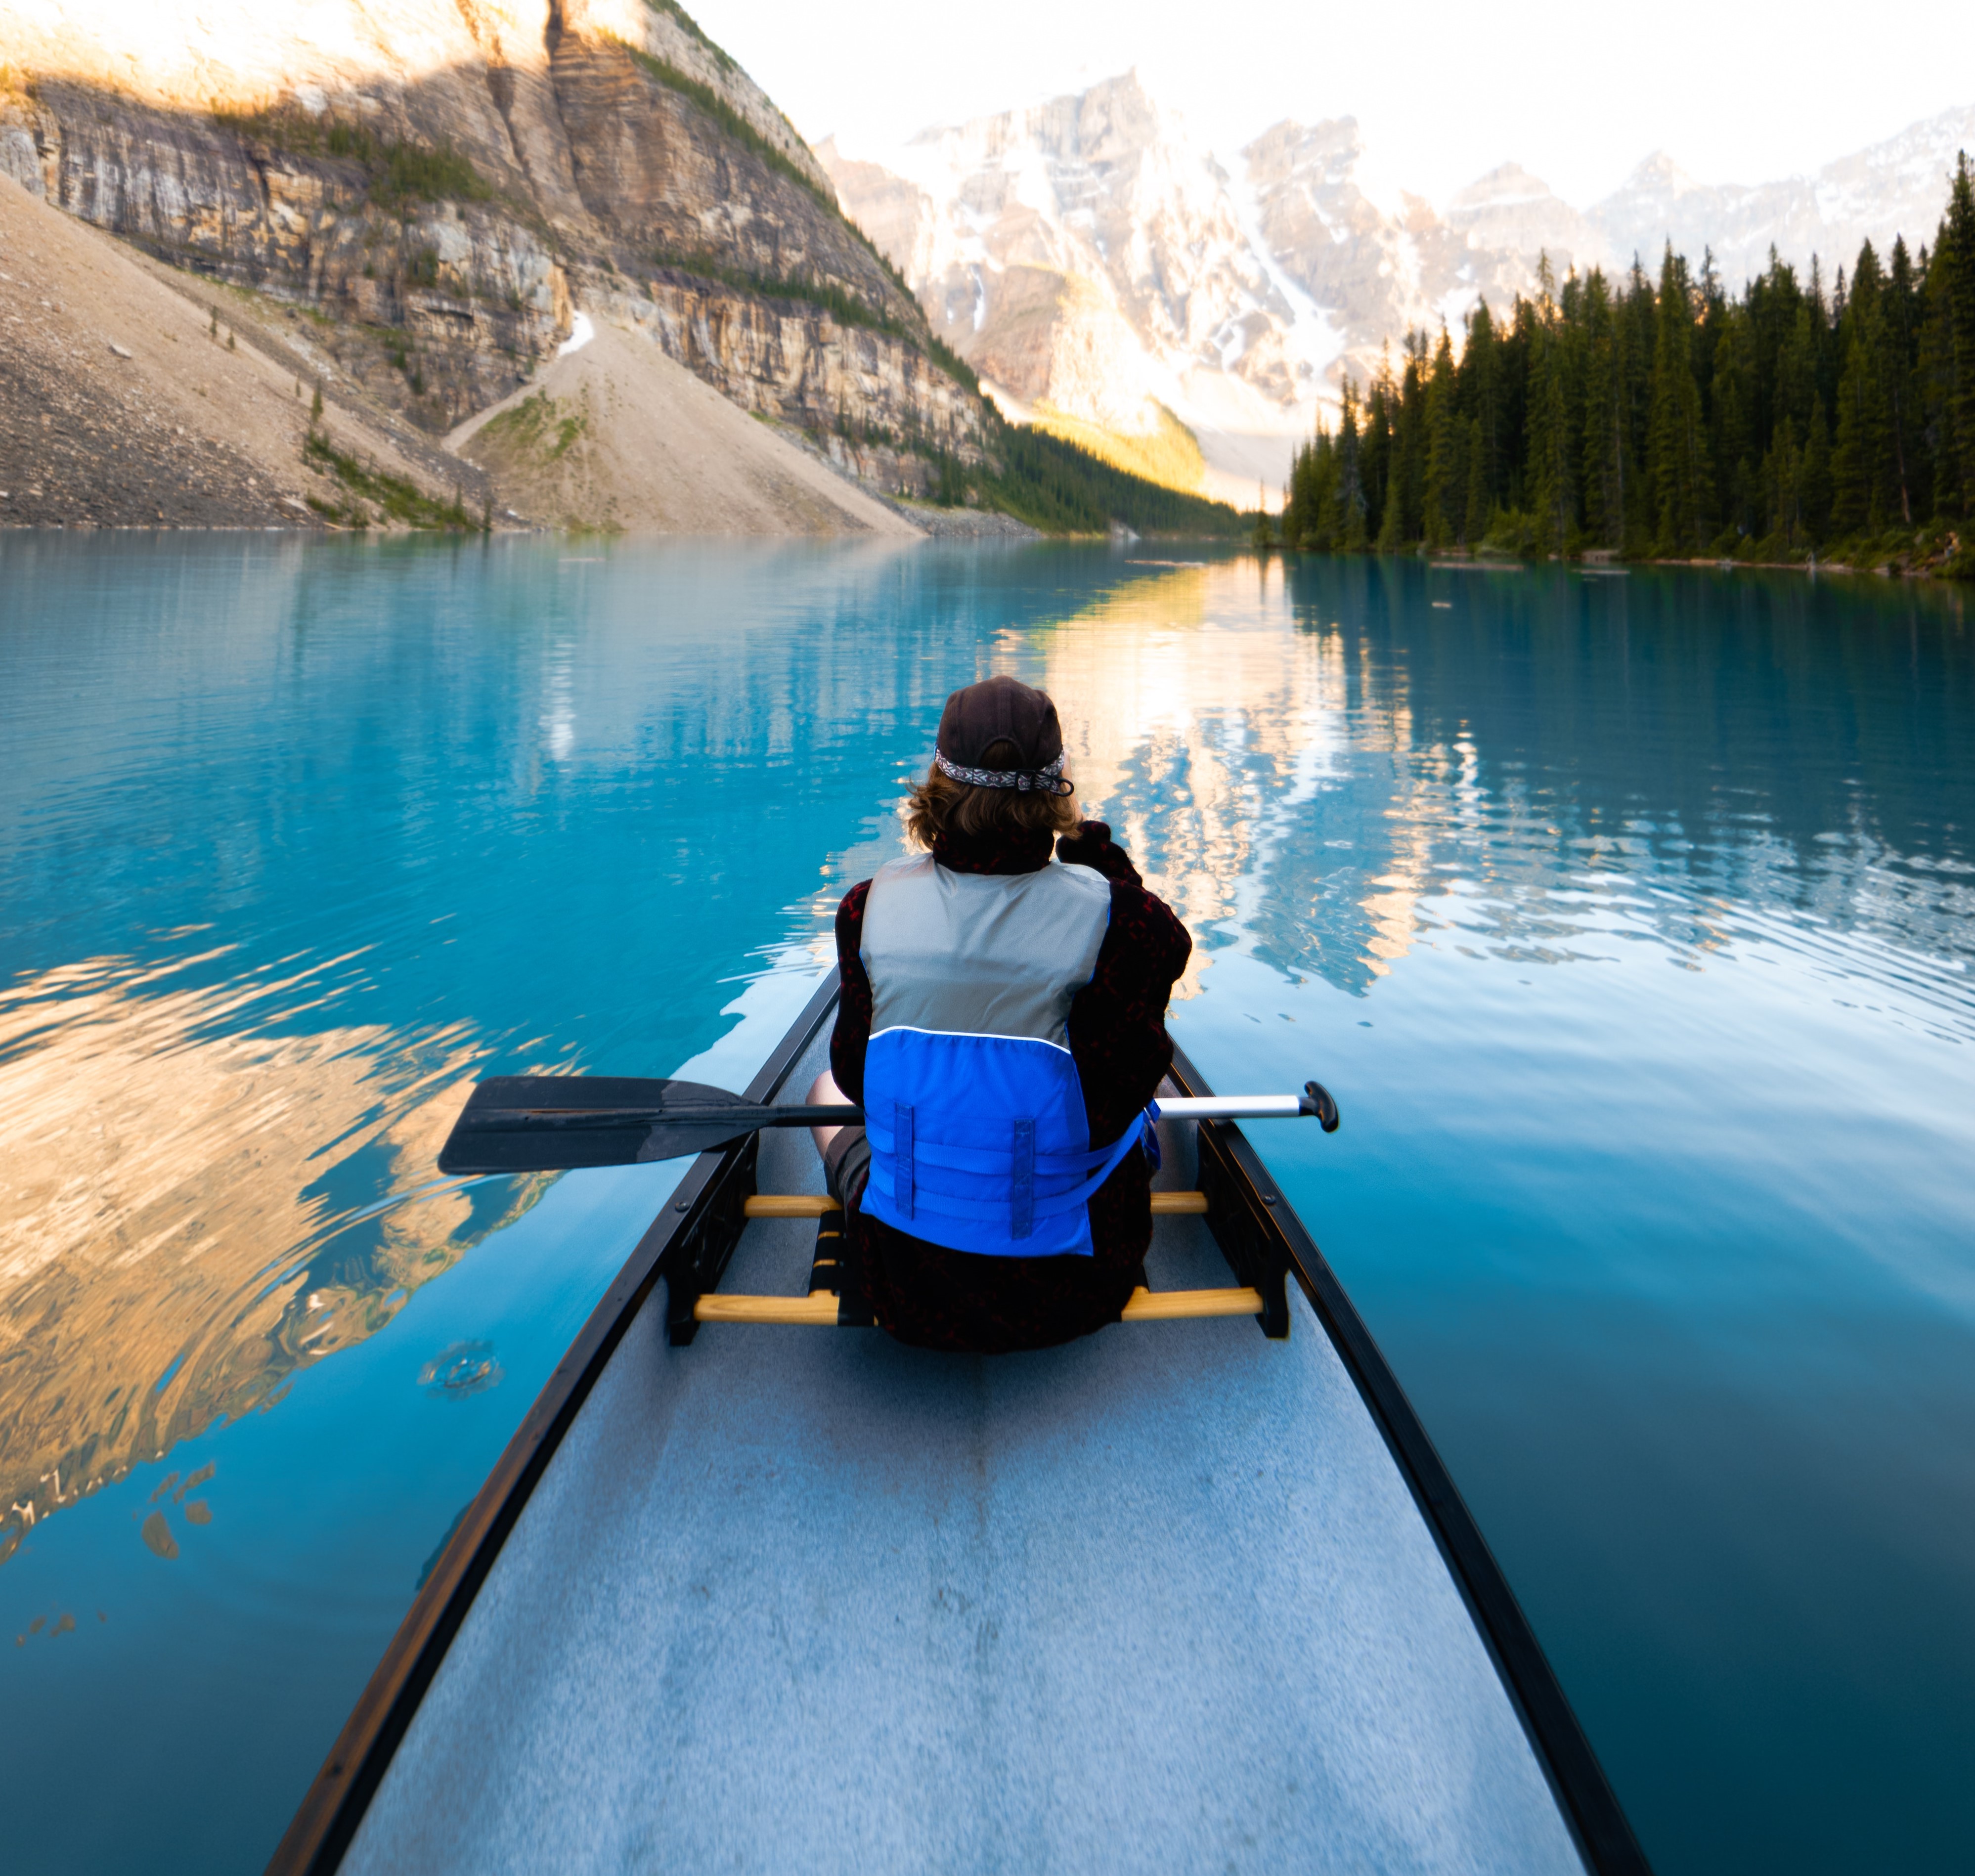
(1576, 94)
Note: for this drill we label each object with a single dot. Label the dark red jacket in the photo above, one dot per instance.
(961, 1300)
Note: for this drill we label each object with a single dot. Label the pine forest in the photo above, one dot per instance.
(1666, 419)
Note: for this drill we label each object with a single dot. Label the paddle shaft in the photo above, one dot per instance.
(747, 1114)
(743, 1115)
(546, 1123)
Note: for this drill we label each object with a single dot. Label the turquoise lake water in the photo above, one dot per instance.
(1630, 917)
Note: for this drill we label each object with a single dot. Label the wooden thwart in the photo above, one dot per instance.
(808, 1205)
(818, 1310)
(1179, 1305)
(788, 1205)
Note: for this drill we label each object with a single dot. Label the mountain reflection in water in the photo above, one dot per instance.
(1542, 779)
(197, 1210)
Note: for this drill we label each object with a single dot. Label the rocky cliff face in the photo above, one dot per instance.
(445, 183)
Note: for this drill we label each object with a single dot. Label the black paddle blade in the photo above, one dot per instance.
(561, 1123)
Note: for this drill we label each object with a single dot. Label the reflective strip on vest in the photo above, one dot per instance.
(980, 1139)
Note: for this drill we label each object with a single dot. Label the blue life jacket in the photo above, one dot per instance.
(980, 1139)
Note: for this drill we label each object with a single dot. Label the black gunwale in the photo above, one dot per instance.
(331, 1811)
(326, 1820)
(1584, 1795)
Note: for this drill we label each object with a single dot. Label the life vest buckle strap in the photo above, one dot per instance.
(1022, 1179)
(902, 1182)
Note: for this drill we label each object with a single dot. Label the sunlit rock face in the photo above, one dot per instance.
(615, 154)
(1510, 216)
(1376, 271)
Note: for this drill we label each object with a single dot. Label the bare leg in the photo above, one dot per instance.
(823, 1092)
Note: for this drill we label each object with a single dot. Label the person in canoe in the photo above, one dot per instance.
(1002, 1022)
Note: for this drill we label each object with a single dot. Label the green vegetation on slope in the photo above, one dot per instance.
(395, 497)
(536, 426)
(1669, 420)
(843, 306)
(1168, 455)
(1054, 485)
(398, 172)
(672, 10)
(729, 120)
(846, 309)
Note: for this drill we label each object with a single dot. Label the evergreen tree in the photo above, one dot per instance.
(1446, 453)
(1604, 493)
(1409, 446)
(1474, 515)
(1782, 480)
(1480, 382)
(1955, 257)
(1376, 455)
(1549, 478)
(1731, 428)
(1864, 492)
(1350, 482)
(1676, 447)
(1635, 336)
(1817, 476)
(1902, 304)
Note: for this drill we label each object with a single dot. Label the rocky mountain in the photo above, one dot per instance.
(442, 187)
(1374, 268)
(125, 401)
(1086, 256)
(1092, 260)
(1898, 187)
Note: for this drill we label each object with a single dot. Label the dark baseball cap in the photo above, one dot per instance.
(999, 709)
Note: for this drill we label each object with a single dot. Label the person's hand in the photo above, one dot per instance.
(1092, 845)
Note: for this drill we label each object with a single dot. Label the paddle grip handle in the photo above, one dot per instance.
(1316, 1099)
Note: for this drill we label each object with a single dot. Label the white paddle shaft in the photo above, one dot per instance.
(1230, 1107)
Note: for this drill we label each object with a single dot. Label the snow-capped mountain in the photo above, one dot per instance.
(1087, 254)
(1372, 268)
(1898, 187)
(1090, 254)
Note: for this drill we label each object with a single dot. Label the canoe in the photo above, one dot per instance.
(755, 1596)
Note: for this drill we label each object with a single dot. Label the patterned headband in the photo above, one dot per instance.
(1048, 779)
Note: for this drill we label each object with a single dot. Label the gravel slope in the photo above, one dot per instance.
(618, 436)
(119, 408)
